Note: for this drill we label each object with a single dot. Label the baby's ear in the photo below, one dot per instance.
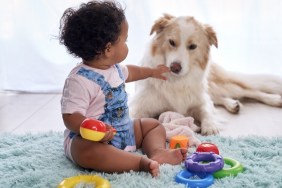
(161, 23)
(211, 35)
(107, 50)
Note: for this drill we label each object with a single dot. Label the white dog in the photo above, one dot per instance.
(195, 84)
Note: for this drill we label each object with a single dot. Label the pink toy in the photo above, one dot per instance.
(177, 124)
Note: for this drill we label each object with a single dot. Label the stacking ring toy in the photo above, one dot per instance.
(236, 168)
(207, 162)
(98, 181)
(204, 181)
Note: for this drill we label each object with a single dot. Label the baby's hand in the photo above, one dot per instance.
(159, 70)
(109, 135)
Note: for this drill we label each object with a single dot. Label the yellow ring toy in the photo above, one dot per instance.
(97, 180)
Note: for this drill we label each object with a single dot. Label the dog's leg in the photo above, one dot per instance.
(226, 86)
(205, 113)
(225, 95)
(232, 105)
(208, 123)
(266, 98)
(263, 88)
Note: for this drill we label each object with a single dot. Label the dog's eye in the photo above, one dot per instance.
(192, 46)
(171, 42)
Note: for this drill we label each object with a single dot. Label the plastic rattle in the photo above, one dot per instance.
(92, 129)
(186, 177)
(236, 168)
(207, 147)
(178, 142)
(207, 162)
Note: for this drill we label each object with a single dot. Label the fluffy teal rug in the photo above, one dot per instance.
(37, 160)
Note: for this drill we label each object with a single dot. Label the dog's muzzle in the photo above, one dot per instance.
(175, 67)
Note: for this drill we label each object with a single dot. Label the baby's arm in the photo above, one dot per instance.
(73, 122)
(139, 73)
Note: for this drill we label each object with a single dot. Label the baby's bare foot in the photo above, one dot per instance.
(149, 165)
(173, 156)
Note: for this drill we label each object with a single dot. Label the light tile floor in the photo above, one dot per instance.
(33, 113)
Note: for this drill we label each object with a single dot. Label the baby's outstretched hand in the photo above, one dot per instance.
(159, 71)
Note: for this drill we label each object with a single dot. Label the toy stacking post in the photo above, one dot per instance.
(207, 164)
(179, 141)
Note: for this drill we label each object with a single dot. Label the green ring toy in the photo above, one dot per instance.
(236, 168)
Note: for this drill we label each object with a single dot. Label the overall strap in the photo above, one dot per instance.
(120, 72)
(95, 77)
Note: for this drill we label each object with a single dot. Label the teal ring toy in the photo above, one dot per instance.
(236, 168)
(184, 175)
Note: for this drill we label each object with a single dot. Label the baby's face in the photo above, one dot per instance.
(120, 47)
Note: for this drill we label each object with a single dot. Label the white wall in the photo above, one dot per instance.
(31, 58)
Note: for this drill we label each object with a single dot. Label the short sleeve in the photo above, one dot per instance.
(124, 70)
(76, 96)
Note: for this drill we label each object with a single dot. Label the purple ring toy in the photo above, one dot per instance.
(207, 162)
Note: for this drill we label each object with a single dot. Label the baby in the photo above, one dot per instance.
(97, 32)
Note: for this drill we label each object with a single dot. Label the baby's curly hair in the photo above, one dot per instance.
(86, 31)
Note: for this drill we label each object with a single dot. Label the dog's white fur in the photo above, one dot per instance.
(195, 84)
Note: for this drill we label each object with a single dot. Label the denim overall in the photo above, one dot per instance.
(116, 111)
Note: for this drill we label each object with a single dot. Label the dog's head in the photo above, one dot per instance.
(183, 43)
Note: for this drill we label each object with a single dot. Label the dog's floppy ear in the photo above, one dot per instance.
(211, 35)
(161, 23)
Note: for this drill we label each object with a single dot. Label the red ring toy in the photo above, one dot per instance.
(207, 147)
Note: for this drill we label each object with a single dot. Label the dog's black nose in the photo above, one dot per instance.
(175, 67)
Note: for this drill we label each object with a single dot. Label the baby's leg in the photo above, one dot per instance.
(151, 137)
(107, 158)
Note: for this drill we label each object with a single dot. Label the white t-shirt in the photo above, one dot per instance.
(85, 96)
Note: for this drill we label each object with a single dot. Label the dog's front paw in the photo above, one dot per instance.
(209, 130)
